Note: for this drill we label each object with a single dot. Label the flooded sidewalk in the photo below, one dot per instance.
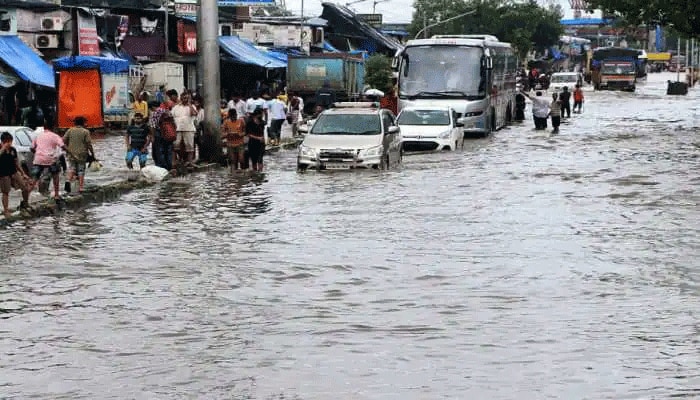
(107, 183)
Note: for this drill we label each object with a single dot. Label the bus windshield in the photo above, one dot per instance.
(441, 70)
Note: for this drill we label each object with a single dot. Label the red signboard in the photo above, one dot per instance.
(88, 43)
(186, 38)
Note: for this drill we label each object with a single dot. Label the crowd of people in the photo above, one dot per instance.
(556, 109)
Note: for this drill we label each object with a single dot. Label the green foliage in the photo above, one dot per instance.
(378, 72)
(526, 25)
(682, 15)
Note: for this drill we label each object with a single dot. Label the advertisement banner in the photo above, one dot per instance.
(88, 42)
(186, 8)
(186, 38)
(115, 93)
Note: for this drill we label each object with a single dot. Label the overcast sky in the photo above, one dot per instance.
(394, 11)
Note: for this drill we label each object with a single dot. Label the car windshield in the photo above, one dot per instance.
(563, 78)
(347, 124)
(21, 138)
(435, 70)
(618, 68)
(424, 117)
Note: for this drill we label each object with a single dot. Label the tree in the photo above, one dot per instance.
(378, 72)
(526, 25)
(682, 15)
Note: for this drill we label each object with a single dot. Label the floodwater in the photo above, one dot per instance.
(525, 266)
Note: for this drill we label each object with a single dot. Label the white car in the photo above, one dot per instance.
(430, 128)
(22, 141)
(559, 80)
(351, 136)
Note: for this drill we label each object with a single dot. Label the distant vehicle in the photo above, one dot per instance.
(473, 74)
(430, 128)
(559, 80)
(22, 141)
(307, 73)
(350, 136)
(677, 64)
(618, 68)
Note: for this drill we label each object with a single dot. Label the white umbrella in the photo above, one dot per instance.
(374, 92)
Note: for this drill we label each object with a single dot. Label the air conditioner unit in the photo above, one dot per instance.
(46, 41)
(51, 24)
(225, 30)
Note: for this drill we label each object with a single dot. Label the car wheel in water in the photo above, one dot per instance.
(302, 167)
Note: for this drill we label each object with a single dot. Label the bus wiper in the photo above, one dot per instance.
(439, 94)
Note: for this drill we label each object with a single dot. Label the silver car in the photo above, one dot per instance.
(22, 141)
(349, 136)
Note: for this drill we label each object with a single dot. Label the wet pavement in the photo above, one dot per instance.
(527, 266)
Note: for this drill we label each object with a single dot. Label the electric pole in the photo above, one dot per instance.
(208, 17)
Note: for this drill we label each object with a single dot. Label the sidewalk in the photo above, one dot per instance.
(109, 183)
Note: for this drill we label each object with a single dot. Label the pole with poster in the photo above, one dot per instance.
(210, 145)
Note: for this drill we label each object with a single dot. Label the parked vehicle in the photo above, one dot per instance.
(350, 136)
(473, 74)
(22, 141)
(344, 73)
(170, 75)
(677, 64)
(559, 80)
(430, 128)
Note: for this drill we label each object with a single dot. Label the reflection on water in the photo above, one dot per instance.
(525, 266)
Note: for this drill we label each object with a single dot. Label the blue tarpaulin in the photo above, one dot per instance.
(246, 53)
(27, 64)
(584, 21)
(329, 47)
(107, 65)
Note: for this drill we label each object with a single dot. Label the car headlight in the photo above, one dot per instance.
(306, 151)
(473, 113)
(372, 151)
(445, 135)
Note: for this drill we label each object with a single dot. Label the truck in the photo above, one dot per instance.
(617, 68)
(168, 74)
(345, 73)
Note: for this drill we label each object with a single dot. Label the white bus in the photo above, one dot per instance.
(473, 74)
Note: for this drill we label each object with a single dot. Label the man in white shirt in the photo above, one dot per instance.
(256, 102)
(540, 109)
(278, 113)
(185, 114)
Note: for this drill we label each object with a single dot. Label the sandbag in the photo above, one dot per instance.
(153, 173)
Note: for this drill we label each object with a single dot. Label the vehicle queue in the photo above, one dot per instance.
(448, 87)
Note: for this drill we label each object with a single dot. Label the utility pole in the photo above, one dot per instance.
(164, 4)
(208, 43)
(301, 29)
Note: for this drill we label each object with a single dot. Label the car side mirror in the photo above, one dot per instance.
(393, 129)
(459, 123)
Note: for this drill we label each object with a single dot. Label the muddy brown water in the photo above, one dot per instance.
(525, 266)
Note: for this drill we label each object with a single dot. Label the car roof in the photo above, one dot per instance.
(12, 128)
(566, 73)
(427, 108)
(369, 111)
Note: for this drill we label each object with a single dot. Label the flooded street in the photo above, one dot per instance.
(525, 266)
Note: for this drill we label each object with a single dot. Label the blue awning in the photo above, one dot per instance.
(28, 66)
(246, 53)
(107, 65)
